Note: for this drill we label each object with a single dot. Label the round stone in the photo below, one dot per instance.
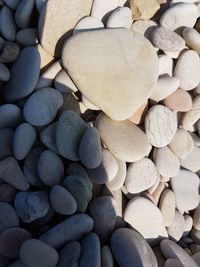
(8, 26)
(120, 18)
(12, 3)
(176, 229)
(192, 38)
(138, 116)
(188, 224)
(160, 125)
(4, 73)
(10, 115)
(87, 24)
(165, 65)
(69, 254)
(6, 142)
(27, 37)
(167, 205)
(8, 217)
(24, 13)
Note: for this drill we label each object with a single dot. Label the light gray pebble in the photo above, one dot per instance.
(8, 217)
(12, 3)
(6, 142)
(10, 115)
(24, 12)
(69, 255)
(27, 37)
(8, 27)
(4, 73)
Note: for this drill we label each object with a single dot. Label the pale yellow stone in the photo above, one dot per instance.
(143, 9)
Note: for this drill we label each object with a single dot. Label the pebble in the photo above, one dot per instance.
(179, 15)
(188, 225)
(6, 142)
(171, 250)
(50, 168)
(196, 258)
(8, 217)
(11, 240)
(144, 10)
(190, 162)
(101, 8)
(167, 40)
(166, 86)
(130, 247)
(87, 24)
(88, 104)
(165, 65)
(35, 253)
(176, 229)
(72, 228)
(49, 100)
(117, 45)
(103, 212)
(31, 205)
(27, 37)
(52, 27)
(139, 211)
(7, 193)
(192, 116)
(141, 175)
(11, 173)
(8, 27)
(24, 12)
(106, 257)
(187, 70)
(69, 255)
(48, 136)
(144, 27)
(10, 115)
(4, 73)
(24, 75)
(173, 263)
(160, 125)
(70, 103)
(120, 18)
(167, 163)
(40, 4)
(167, 205)
(72, 126)
(133, 144)
(196, 218)
(90, 242)
(23, 140)
(9, 52)
(192, 38)
(139, 115)
(12, 3)
(195, 235)
(63, 83)
(180, 100)
(185, 186)
(62, 200)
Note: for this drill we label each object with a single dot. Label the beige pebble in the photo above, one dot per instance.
(167, 206)
(101, 8)
(176, 229)
(165, 65)
(192, 116)
(192, 38)
(87, 24)
(188, 225)
(153, 188)
(45, 57)
(120, 18)
(142, 9)
(190, 162)
(144, 27)
(139, 115)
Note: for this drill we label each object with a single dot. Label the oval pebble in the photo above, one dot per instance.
(165, 65)
(87, 24)
(8, 217)
(40, 4)
(10, 115)
(48, 136)
(192, 38)
(160, 125)
(106, 257)
(23, 140)
(35, 253)
(70, 255)
(190, 162)
(6, 142)
(8, 27)
(4, 73)
(27, 37)
(176, 229)
(24, 12)
(188, 224)
(62, 200)
(63, 83)
(120, 18)
(167, 205)
(102, 8)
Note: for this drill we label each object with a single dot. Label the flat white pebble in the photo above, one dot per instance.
(190, 162)
(87, 24)
(100, 8)
(176, 229)
(192, 116)
(165, 65)
(120, 18)
(167, 205)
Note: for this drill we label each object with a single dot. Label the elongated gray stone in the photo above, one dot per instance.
(24, 13)
(8, 27)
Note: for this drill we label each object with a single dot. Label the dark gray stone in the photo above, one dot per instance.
(8, 26)
(9, 52)
(8, 217)
(12, 3)
(4, 73)
(17, 263)
(70, 103)
(69, 255)
(6, 142)
(24, 12)
(10, 115)
(7, 193)
(27, 37)
(48, 136)
(106, 257)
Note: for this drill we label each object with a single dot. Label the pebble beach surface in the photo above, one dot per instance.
(99, 133)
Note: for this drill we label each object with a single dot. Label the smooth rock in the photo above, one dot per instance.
(106, 257)
(70, 102)
(144, 27)
(62, 200)
(69, 125)
(63, 83)
(88, 24)
(192, 38)
(129, 247)
(6, 142)
(179, 15)
(24, 12)
(88, 104)
(116, 44)
(69, 255)
(187, 70)
(8, 27)
(139, 211)
(120, 18)
(49, 100)
(46, 58)
(192, 116)
(158, 191)
(24, 75)
(27, 37)
(176, 229)
(139, 115)
(101, 8)
(195, 137)
(23, 140)
(4, 73)
(190, 162)
(8, 217)
(31, 205)
(11, 173)
(12, 3)
(167, 205)
(144, 10)
(50, 168)
(188, 225)
(196, 218)
(40, 4)
(133, 144)
(7, 193)
(48, 136)
(160, 125)
(165, 65)
(141, 175)
(72, 228)
(173, 263)
(35, 253)
(185, 186)
(9, 52)
(10, 115)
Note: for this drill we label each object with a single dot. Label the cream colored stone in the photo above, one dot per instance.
(87, 24)
(192, 116)
(142, 9)
(120, 18)
(45, 57)
(167, 205)
(139, 115)
(165, 65)
(192, 38)
(144, 27)
(88, 104)
(176, 229)
(63, 83)
(192, 162)
(157, 193)
(188, 224)
(101, 8)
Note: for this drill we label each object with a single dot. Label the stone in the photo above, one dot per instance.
(35, 253)
(144, 27)
(9, 52)
(11, 173)
(4, 73)
(24, 13)
(165, 65)
(8, 27)
(133, 144)
(11, 240)
(188, 225)
(192, 38)
(195, 137)
(90, 242)
(8, 217)
(166, 86)
(106, 257)
(120, 18)
(53, 29)
(179, 15)
(173, 263)
(139, 115)
(190, 162)
(171, 250)
(6, 142)
(63, 83)
(129, 247)
(167, 163)
(176, 229)
(31, 205)
(70, 254)
(160, 125)
(101, 9)
(192, 116)
(141, 175)
(88, 104)
(180, 100)
(48, 136)
(167, 205)
(10, 115)
(50, 168)
(72, 126)
(7, 193)
(23, 140)
(72, 228)
(70, 102)
(12, 3)
(45, 57)
(88, 23)
(62, 200)
(158, 191)
(40, 4)
(167, 40)
(144, 10)
(187, 70)
(139, 211)
(103, 212)
(49, 100)
(195, 235)
(24, 75)
(185, 186)
(116, 44)
(27, 37)
(90, 151)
